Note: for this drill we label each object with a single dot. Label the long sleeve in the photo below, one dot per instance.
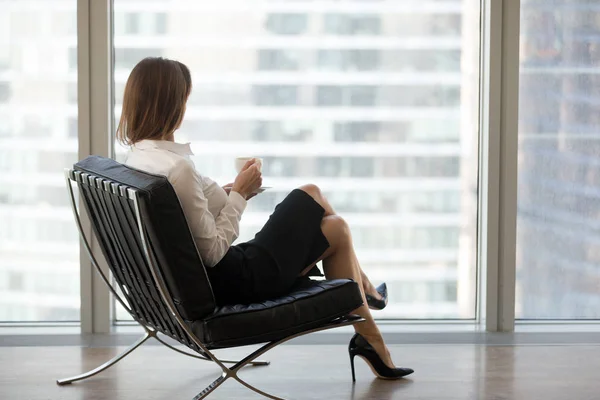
(213, 235)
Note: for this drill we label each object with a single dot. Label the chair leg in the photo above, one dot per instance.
(249, 386)
(216, 383)
(205, 358)
(227, 373)
(106, 365)
(232, 372)
(248, 359)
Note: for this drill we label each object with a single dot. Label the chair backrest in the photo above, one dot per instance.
(104, 185)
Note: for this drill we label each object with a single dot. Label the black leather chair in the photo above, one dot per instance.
(146, 241)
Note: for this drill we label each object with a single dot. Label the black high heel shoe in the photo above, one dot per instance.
(360, 347)
(376, 304)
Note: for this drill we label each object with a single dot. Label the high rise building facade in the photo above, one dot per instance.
(39, 252)
(375, 102)
(558, 257)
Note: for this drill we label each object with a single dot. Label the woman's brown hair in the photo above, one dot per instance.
(154, 100)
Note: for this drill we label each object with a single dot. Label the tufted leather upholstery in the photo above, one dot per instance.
(306, 308)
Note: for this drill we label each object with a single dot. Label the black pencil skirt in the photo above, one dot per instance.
(269, 265)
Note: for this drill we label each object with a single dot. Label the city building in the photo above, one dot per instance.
(375, 102)
(559, 174)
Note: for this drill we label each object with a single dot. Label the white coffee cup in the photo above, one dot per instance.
(241, 161)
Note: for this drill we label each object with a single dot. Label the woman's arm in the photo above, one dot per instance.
(227, 189)
(213, 236)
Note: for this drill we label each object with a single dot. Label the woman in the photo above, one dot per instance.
(303, 230)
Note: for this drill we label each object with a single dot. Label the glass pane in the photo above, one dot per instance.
(39, 247)
(378, 107)
(558, 256)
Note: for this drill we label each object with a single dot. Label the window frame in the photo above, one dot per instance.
(497, 175)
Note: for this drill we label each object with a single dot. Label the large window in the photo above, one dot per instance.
(39, 252)
(377, 102)
(558, 236)
(378, 108)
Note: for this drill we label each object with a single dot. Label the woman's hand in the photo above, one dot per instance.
(227, 188)
(248, 180)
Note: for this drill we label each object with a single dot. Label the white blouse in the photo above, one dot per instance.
(213, 217)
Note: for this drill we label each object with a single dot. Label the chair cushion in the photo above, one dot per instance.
(170, 237)
(307, 307)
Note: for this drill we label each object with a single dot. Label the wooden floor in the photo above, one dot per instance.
(565, 372)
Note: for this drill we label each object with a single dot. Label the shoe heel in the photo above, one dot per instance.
(352, 367)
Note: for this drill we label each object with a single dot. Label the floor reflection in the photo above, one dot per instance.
(381, 389)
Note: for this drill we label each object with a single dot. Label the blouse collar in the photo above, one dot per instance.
(183, 149)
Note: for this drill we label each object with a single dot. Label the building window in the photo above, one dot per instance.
(434, 237)
(132, 23)
(433, 166)
(282, 131)
(280, 166)
(127, 58)
(420, 96)
(160, 23)
(72, 58)
(336, 96)
(140, 23)
(330, 95)
(287, 24)
(5, 33)
(329, 166)
(348, 60)
(35, 126)
(275, 95)
(279, 60)
(72, 93)
(358, 131)
(421, 60)
(362, 96)
(361, 167)
(351, 24)
(4, 57)
(16, 281)
(4, 92)
(427, 24)
(72, 126)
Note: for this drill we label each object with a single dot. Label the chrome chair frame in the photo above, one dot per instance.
(203, 353)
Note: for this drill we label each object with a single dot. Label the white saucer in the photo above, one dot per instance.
(262, 189)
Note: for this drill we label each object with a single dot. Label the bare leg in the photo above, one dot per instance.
(339, 261)
(315, 193)
(368, 286)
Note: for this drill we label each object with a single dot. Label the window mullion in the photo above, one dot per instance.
(95, 127)
(500, 93)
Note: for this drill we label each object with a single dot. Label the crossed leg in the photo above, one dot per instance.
(340, 261)
(317, 195)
